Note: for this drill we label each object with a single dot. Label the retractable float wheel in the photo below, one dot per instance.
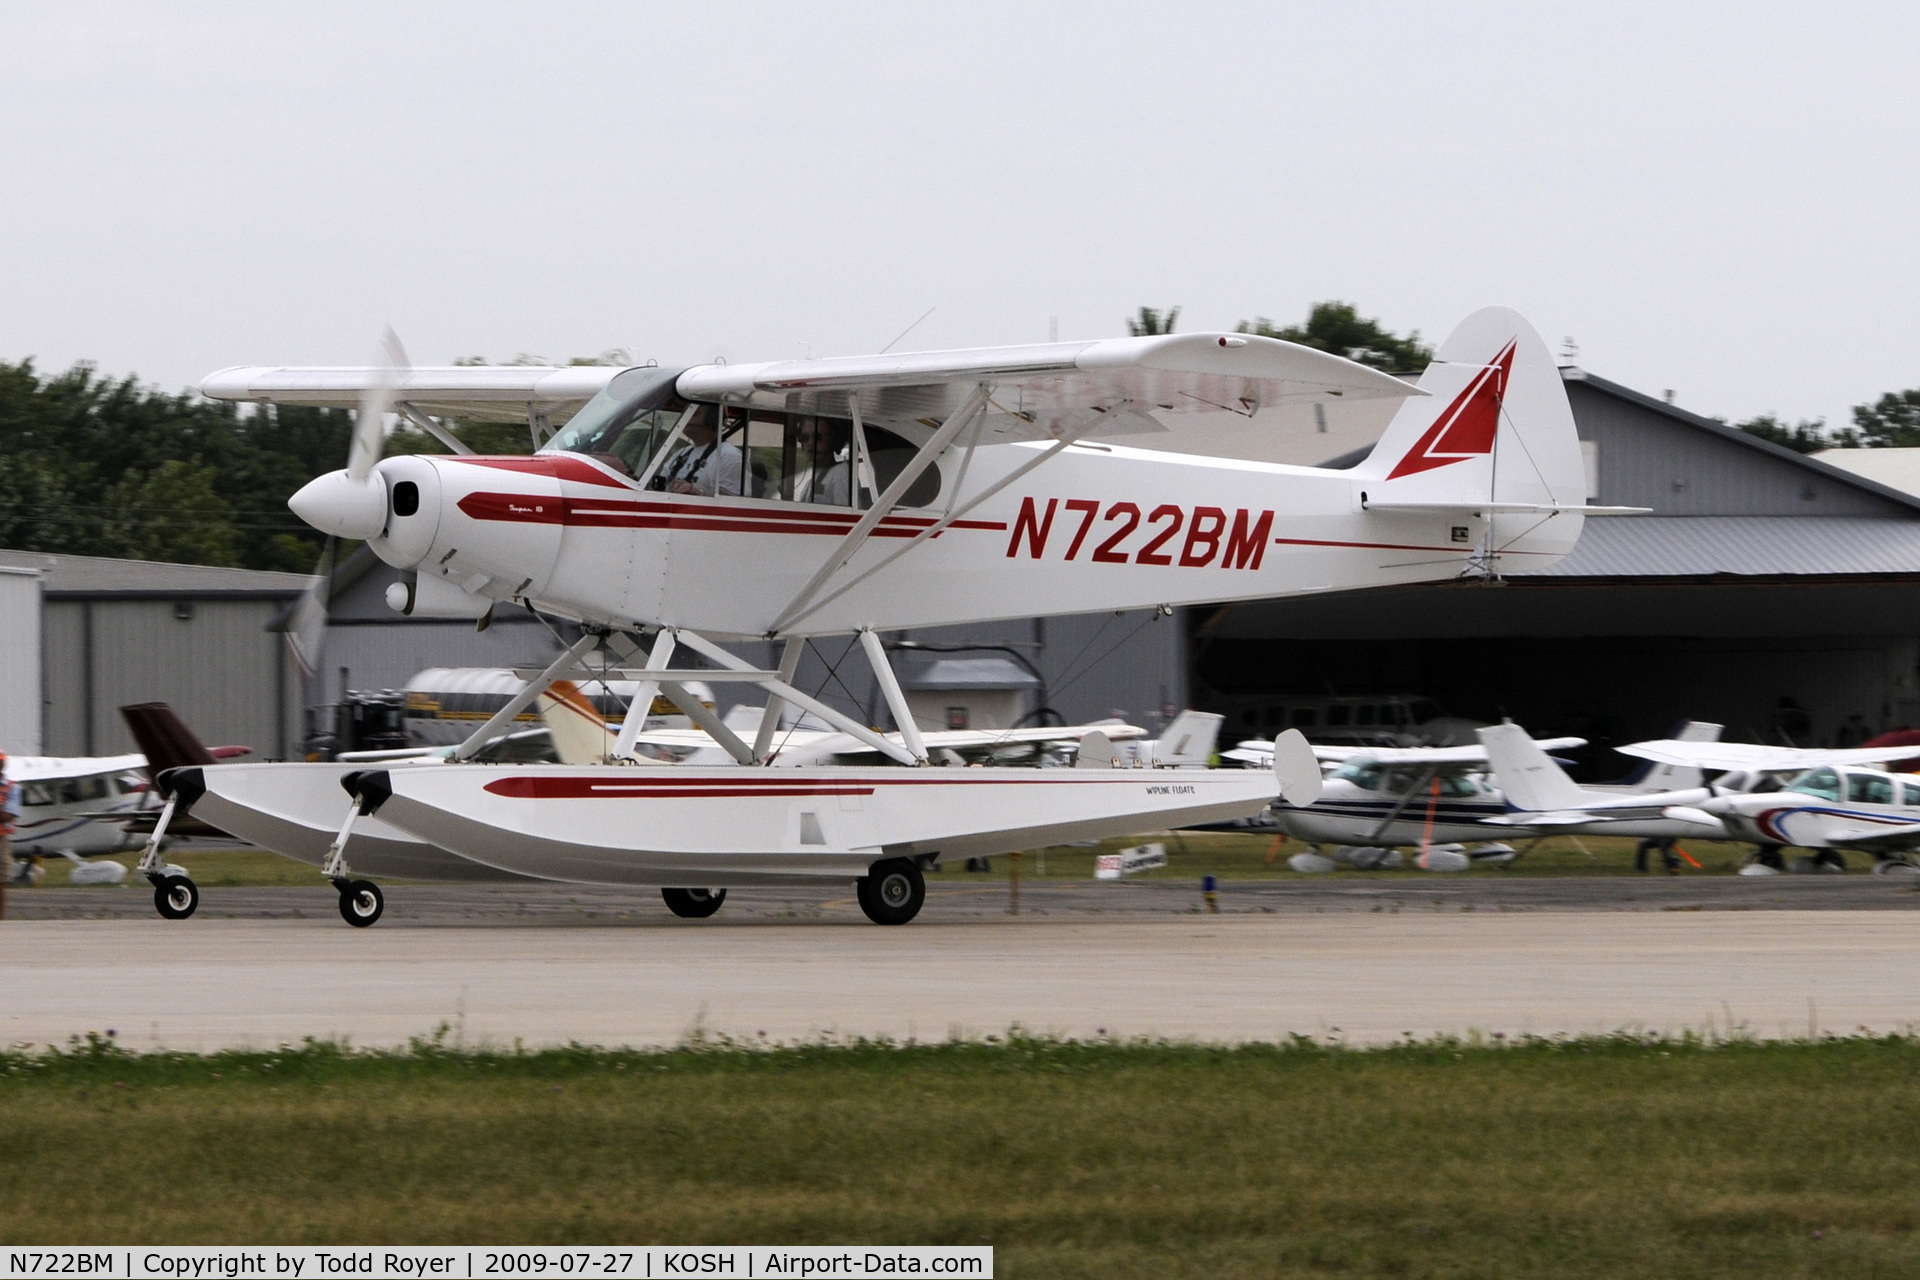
(361, 903)
(176, 897)
(892, 891)
(694, 904)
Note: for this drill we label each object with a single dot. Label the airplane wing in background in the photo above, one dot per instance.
(1758, 757)
(1259, 752)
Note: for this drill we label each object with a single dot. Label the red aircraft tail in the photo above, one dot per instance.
(166, 741)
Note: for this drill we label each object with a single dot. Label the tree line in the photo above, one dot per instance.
(91, 465)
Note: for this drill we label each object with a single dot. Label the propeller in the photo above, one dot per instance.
(352, 503)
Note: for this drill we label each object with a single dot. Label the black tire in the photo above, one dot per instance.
(361, 903)
(892, 891)
(176, 897)
(693, 904)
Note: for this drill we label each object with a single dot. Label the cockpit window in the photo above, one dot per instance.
(1362, 773)
(1869, 788)
(626, 422)
(1822, 782)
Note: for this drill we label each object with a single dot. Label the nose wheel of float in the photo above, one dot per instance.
(175, 897)
(361, 902)
(892, 892)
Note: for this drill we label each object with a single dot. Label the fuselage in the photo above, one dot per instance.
(1828, 808)
(1097, 527)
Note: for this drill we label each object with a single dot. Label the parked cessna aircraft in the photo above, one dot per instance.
(1379, 799)
(79, 806)
(1834, 802)
(858, 495)
(1543, 799)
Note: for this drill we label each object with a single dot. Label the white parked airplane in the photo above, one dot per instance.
(1836, 801)
(1543, 799)
(872, 493)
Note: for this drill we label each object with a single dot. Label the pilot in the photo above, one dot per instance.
(707, 465)
(9, 810)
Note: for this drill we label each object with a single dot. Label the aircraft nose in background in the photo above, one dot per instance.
(338, 504)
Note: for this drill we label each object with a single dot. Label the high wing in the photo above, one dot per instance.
(492, 393)
(1047, 390)
(1758, 757)
(1039, 392)
(1258, 751)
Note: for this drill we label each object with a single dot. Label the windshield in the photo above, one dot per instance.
(1822, 782)
(626, 422)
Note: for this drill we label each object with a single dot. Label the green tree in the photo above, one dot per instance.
(171, 513)
(1339, 328)
(1805, 436)
(1891, 422)
(1151, 322)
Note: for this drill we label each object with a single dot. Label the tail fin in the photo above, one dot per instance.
(1653, 776)
(580, 734)
(1530, 780)
(1494, 431)
(164, 738)
(1189, 740)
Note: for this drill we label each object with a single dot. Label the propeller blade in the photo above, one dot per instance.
(369, 425)
(307, 630)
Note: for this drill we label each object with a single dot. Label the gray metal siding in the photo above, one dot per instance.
(63, 644)
(20, 684)
(1647, 459)
(219, 670)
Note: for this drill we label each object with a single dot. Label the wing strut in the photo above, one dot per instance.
(956, 512)
(434, 429)
(775, 683)
(770, 718)
(885, 503)
(520, 701)
(896, 701)
(696, 710)
(642, 701)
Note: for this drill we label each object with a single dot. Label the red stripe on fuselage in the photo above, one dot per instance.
(606, 513)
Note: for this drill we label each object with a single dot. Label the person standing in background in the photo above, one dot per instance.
(9, 810)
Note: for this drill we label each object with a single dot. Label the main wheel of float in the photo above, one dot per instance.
(892, 892)
(693, 904)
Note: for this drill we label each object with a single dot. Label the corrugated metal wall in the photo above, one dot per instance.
(220, 668)
(20, 688)
(1646, 460)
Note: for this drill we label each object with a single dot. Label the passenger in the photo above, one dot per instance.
(825, 481)
(707, 465)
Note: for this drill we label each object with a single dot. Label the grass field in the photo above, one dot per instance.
(1587, 1158)
(1190, 855)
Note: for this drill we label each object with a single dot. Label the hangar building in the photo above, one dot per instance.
(1769, 591)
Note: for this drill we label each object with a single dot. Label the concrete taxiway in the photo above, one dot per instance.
(495, 965)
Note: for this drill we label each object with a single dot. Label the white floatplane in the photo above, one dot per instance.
(859, 495)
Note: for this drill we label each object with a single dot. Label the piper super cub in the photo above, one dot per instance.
(792, 500)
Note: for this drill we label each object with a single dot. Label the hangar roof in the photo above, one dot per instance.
(76, 576)
(1700, 546)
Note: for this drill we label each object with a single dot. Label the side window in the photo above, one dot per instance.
(35, 795)
(1274, 717)
(1822, 782)
(1305, 717)
(891, 454)
(1910, 793)
(1869, 788)
(1368, 778)
(1363, 714)
(816, 461)
(1337, 716)
(1456, 785)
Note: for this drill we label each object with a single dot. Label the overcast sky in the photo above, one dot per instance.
(1718, 199)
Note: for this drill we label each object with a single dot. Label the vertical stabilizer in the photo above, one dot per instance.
(580, 735)
(1189, 741)
(1494, 429)
(1531, 781)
